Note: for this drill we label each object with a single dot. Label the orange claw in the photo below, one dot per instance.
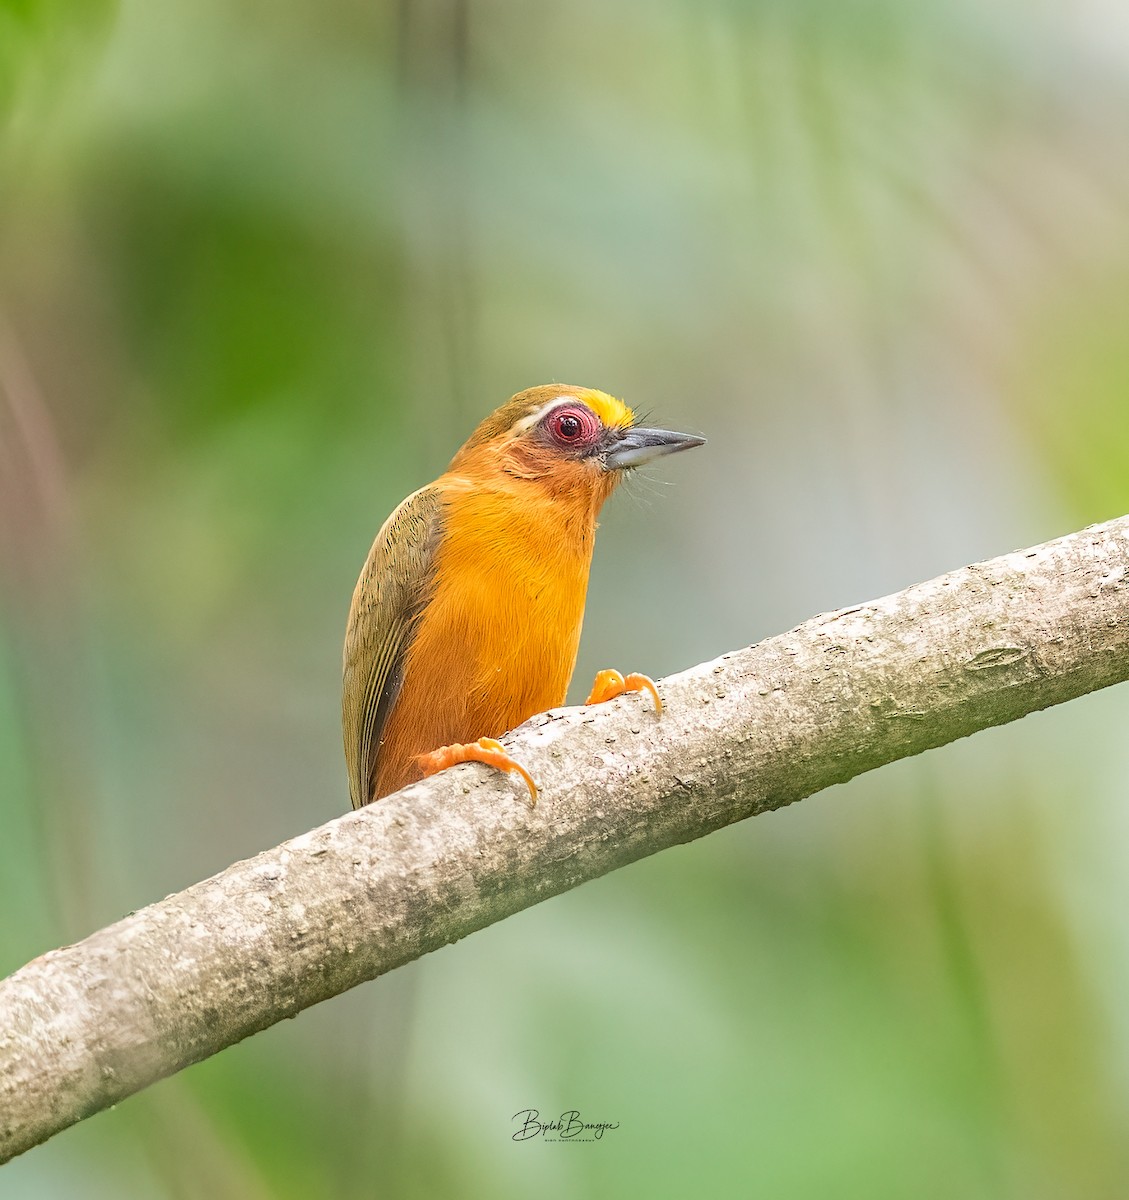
(610, 683)
(485, 750)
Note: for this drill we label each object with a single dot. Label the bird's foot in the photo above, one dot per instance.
(609, 684)
(485, 750)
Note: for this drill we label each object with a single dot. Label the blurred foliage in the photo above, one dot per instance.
(263, 267)
(42, 43)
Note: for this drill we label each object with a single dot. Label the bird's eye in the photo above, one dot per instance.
(574, 427)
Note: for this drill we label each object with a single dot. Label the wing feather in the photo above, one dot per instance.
(392, 591)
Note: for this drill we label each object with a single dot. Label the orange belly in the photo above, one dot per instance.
(497, 641)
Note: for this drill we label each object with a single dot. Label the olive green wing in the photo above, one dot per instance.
(393, 589)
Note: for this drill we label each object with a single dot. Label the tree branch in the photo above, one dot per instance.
(85, 1026)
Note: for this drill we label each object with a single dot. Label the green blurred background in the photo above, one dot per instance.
(262, 269)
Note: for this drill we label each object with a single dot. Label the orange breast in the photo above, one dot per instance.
(497, 641)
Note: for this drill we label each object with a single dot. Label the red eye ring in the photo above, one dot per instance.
(574, 426)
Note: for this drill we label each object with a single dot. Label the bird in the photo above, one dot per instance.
(465, 620)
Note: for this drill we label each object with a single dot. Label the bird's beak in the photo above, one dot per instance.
(634, 447)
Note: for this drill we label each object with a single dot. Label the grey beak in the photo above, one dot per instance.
(634, 447)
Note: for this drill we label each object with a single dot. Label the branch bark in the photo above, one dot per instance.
(85, 1026)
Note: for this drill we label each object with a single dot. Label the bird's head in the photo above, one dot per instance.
(568, 439)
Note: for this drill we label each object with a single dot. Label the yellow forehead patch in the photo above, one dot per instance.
(612, 412)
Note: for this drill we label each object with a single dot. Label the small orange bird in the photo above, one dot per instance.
(466, 618)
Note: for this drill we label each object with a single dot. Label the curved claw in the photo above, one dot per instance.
(610, 683)
(486, 750)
